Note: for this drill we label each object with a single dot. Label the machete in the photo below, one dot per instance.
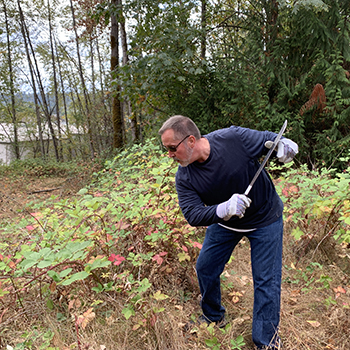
(275, 142)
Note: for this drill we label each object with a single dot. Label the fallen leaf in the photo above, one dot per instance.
(3, 313)
(236, 296)
(85, 318)
(53, 286)
(245, 279)
(235, 299)
(292, 301)
(339, 289)
(75, 303)
(314, 324)
(160, 296)
(295, 293)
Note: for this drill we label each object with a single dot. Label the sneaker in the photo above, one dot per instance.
(205, 320)
(222, 323)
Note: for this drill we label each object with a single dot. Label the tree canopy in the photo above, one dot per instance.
(249, 63)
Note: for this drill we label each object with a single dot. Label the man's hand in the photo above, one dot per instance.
(286, 149)
(235, 206)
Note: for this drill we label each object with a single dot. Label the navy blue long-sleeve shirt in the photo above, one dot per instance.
(231, 165)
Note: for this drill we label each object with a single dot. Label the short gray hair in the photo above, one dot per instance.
(182, 127)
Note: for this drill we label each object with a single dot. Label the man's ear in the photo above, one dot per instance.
(192, 140)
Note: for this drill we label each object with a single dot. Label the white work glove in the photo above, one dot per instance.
(236, 205)
(286, 149)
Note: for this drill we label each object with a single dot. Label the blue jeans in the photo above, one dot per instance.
(266, 259)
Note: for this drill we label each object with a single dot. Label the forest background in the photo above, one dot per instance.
(115, 71)
(82, 272)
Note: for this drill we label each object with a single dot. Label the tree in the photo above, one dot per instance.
(12, 84)
(116, 105)
(219, 62)
(263, 61)
(82, 80)
(59, 147)
(33, 80)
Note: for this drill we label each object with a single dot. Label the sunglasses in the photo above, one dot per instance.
(174, 148)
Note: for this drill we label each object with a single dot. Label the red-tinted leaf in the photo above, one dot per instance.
(118, 260)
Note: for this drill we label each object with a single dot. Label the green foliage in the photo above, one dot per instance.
(237, 343)
(305, 279)
(317, 197)
(256, 76)
(253, 65)
(39, 167)
(214, 341)
(34, 337)
(124, 236)
(126, 226)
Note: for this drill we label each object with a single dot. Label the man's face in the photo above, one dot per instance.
(183, 153)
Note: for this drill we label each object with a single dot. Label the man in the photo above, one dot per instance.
(214, 171)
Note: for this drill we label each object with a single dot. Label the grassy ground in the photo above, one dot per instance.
(315, 297)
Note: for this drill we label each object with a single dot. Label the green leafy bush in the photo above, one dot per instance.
(318, 197)
(39, 167)
(122, 234)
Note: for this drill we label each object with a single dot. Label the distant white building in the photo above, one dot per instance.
(28, 139)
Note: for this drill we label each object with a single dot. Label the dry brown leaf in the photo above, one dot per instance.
(2, 314)
(235, 299)
(295, 293)
(84, 319)
(235, 296)
(339, 289)
(292, 301)
(314, 324)
(53, 286)
(246, 279)
(74, 303)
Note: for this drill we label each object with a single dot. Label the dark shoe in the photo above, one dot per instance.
(222, 323)
(204, 320)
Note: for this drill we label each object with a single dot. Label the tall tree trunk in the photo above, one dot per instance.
(36, 99)
(271, 32)
(116, 105)
(97, 126)
(39, 81)
(12, 89)
(204, 29)
(86, 97)
(62, 89)
(55, 85)
(107, 124)
(271, 9)
(64, 101)
(126, 104)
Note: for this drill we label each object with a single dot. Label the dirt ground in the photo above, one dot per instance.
(17, 192)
